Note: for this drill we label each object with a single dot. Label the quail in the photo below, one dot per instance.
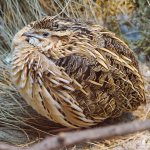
(75, 73)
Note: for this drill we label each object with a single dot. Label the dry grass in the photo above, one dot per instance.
(19, 124)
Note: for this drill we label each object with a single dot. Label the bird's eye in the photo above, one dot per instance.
(45, 34)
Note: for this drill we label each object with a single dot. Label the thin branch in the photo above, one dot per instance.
(8, 147)
(76, 137)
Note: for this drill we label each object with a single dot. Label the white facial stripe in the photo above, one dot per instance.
(34, 41)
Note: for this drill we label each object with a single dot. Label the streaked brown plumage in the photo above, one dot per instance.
(76, 74)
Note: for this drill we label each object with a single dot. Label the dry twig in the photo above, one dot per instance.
(71, 138)
(8, 147)
(68, 139)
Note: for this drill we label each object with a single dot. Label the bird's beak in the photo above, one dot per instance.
(30, 34)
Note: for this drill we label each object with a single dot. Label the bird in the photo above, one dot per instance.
(75, 73)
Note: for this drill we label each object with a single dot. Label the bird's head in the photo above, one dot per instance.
(47, 31)
(51, 32)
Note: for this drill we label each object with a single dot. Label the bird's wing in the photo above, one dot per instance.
(68, 75)
(53, 88)
(126, 59)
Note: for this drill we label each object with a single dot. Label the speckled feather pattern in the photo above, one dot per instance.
(79, 76)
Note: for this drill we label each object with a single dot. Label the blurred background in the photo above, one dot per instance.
(129, 19)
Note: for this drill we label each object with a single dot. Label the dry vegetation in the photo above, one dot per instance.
(19, 124)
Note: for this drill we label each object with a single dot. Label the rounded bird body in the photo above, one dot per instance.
(76, 74)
